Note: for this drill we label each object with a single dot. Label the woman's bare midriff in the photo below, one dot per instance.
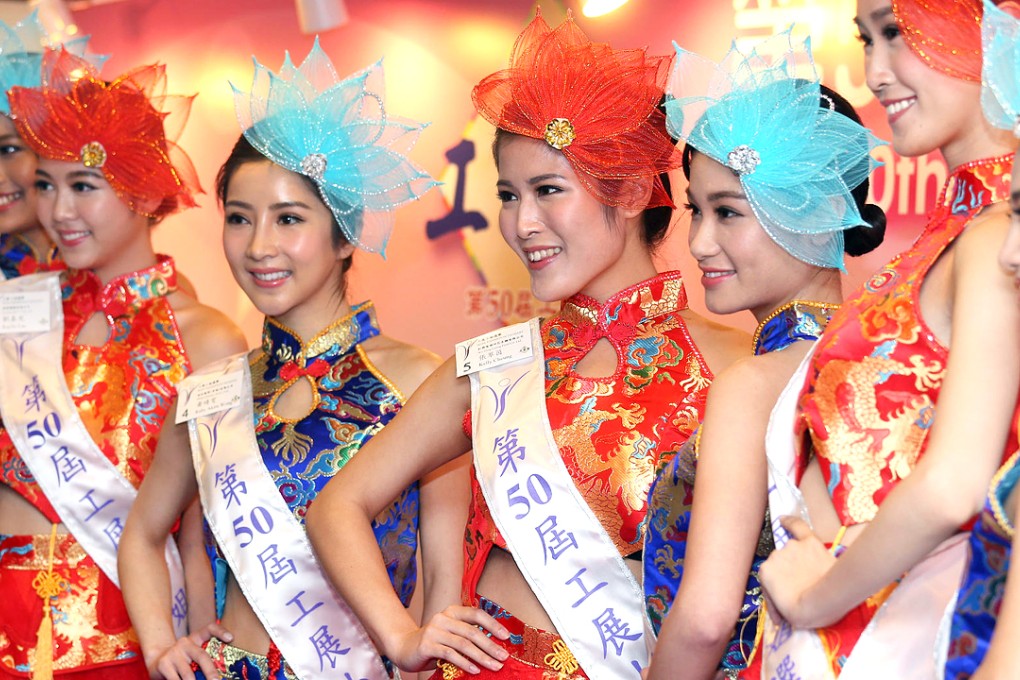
(18, 517)
(503, 583)
(824, 520)
(242, 622)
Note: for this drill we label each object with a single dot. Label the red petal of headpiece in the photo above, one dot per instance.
(597, 104)
(117, 123)
(946, 34)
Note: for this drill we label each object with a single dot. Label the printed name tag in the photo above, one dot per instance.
(25, 312)
(501, 346)
(209, 396)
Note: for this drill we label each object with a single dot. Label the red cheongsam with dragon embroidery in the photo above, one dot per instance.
(123, 390)
(611, 431)
(872, 390)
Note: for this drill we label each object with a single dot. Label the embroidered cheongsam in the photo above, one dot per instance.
(123, 390)
(672, 496)
(984, 583)
(870, 396)
(612, 430)
(352, 402)
(17, 258)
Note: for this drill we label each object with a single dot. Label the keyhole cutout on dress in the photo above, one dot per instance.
(297, 401)
(95, 332)
(601, 361)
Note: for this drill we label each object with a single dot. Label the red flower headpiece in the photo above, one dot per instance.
(120, 127)
(945, 34)
(596, 104)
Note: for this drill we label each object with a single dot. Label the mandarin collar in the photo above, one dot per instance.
(976, 184)
(126, 293)
(797, 320)
(619, 317)
(14, 249)
(282, 346)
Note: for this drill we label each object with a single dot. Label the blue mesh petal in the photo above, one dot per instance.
(308, 110)
(759, 114)
(1000, 91)
(21, 49)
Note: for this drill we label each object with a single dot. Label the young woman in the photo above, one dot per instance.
(903, 430)
(77, 442)
(784, 267)
(24, 246)
(565, 440)
(986, 601)
(316, 174)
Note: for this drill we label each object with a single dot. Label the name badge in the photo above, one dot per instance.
(25, 312)
(212, 395)
(501, 346)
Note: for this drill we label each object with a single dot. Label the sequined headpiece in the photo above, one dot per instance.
(945, 34)
(21, 51)
(337, 133)
(1000, 73)
(797, 162)
(596, 104)
(125, 127)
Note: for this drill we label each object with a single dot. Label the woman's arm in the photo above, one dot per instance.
(445, 498)
(947, 487)
(726, 520)
(422, 437)
(168, 489)
(198, 578)
(445, 492)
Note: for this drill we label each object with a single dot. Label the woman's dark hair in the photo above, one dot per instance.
(856, 240)
(654, 221)
(243, 152)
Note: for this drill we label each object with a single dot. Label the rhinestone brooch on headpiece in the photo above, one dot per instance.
(93, 155)
(314, 165)
(559, 133)
(743, 160)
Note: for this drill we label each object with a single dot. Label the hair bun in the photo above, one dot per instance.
(861, 240)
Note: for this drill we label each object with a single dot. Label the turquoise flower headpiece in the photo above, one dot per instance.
(337, 133)
(1000, 68)
(21, 51)
(760, 115)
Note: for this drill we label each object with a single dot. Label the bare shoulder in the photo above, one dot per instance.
(721, 345)
(208, 334)
(984, 235)
(404, 364)
(754, 383)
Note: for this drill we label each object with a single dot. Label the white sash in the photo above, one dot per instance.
(84, 487)
(266, 547)
(557, 542)
(899, 640)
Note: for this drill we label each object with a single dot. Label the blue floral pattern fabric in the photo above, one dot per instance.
(352, 402)
(984, 583)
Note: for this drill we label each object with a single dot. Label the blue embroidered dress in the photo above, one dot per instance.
(18, 258)
(352, 401)
(672, 496)
(984, 582)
